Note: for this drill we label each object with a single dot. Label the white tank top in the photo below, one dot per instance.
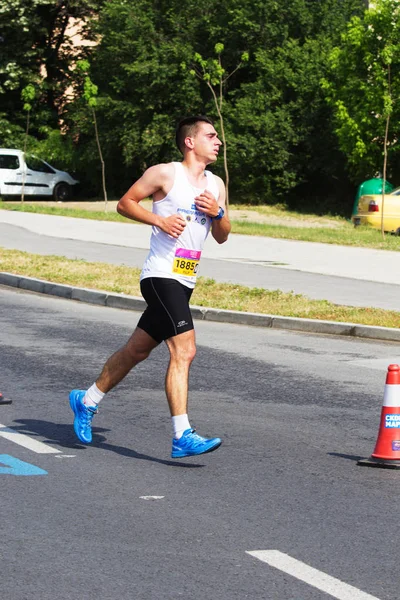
(178, 258)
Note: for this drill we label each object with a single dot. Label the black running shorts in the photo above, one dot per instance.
(167, 313)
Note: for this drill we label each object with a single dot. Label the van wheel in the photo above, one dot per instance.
(62, 192)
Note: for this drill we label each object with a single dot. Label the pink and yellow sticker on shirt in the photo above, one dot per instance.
(186, 262)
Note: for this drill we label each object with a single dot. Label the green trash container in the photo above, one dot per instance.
(371, 186)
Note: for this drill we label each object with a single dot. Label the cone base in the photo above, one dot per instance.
(379, 463)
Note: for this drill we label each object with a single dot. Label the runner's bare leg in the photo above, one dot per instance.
(182, 349)
(137, 349)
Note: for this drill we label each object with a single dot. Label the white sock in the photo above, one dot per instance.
(179, 424)
(93, 396)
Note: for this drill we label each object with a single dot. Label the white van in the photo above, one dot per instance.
(39, 178)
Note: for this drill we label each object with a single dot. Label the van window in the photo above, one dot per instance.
(9, 161)
(35, 164)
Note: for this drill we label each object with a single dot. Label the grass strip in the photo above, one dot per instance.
(63, 211)
(360, 237)
(208, 293)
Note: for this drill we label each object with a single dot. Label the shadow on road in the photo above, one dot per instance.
(63, 435)
(54, 433)
(133, 454)
(348, 456)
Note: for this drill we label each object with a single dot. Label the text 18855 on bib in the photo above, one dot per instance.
(186, 262)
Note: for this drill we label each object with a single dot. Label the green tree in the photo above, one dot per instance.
(11, 136)
(90, 91)
(364, 88)
(35, 45)
(281, 140)
(275, 117)
(214, 75)
(28, 95)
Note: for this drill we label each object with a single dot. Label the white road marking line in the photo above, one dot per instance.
(151, 497)
(26, 441)
(65, 456)
(334, 587)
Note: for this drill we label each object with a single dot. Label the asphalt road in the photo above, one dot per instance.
(252, 273)
(295, 412)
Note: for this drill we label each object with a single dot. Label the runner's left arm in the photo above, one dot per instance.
(207, 203)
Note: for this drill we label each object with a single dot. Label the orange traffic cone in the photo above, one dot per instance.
(387, 450)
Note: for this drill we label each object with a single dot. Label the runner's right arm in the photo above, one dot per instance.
(155, 180)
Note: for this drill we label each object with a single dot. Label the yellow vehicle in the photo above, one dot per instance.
(369, 211)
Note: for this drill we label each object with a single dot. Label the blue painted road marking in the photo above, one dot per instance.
(18, 467)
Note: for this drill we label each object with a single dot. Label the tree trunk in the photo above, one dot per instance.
(384, 175)
(385, 158)
(103, 169)
(221, 120)
(24, 169)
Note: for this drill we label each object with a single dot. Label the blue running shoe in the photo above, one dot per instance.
(83, 416)
(191, 444)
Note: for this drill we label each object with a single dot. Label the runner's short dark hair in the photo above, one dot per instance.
(187, 127)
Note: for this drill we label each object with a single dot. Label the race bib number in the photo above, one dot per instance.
(186, 262)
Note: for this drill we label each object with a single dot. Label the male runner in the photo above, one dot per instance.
(188, 201)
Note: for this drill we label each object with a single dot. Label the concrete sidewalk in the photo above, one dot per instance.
(341, 261)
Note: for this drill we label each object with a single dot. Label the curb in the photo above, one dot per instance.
(205, 314)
